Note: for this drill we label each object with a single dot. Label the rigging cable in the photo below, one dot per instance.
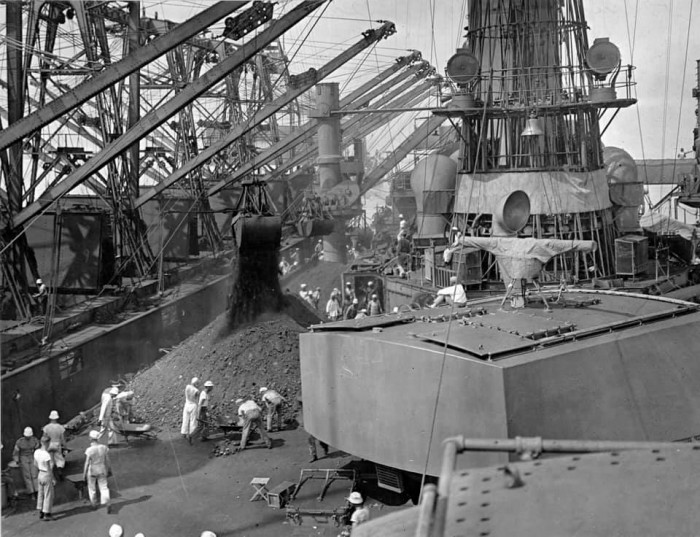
(433, 47)
(666, 91)
(443, 361)
(631, 40)
(369, 17)
(680, 104)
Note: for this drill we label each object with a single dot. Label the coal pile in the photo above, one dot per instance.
(254, 344)
(255, 285)
(237, 361)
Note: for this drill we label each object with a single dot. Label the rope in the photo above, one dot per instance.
(667, 76)
(443, 361)
(50, 307)
(685, 70)
(449, 324)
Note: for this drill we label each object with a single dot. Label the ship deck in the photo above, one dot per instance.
(596, 364)
(484, 330)
(81, 316)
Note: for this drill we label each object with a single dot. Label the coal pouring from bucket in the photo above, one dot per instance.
(257, 232)
(255, 224)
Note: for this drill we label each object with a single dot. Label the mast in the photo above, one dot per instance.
(696, 130)
(532, 95)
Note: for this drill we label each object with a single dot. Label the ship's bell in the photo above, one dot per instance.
(533, 127)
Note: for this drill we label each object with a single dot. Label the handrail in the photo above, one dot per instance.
(433, 506)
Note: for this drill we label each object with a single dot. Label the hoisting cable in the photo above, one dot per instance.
(631, 42)
(680, 104)
(449, 323)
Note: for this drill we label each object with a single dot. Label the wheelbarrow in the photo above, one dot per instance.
(225, 424)
(135, 430)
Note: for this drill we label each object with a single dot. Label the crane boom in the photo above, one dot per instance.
(158, 116)
(359, 126)
(408, 145)
(353, 122)
(114, 73)
(393, 160)
(356, 98)
(307, 82)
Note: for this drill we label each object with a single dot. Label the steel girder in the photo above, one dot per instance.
(352, 127)
(370, 38)
(397, 155)
(116, 72)
(158, 116)
(356, 98)
(360, 130)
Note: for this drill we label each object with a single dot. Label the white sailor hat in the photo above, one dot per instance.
(94, 435)
(115, 530)
(263, 389)
(28, 432)
(53, 415)
(355, 498)
(208, 384)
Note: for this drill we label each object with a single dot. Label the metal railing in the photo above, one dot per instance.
(433, 507)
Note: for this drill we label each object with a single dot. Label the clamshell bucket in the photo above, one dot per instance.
(315, 228)
(255, 226)
(257, 233)
(254, 232)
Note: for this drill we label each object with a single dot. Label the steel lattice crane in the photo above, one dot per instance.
(143, 117)
(95, 109)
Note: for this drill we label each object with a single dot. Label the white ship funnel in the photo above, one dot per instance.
(433, 183)
(626, 191)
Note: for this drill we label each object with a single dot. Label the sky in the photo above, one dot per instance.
(665, 55)
(654, 35)
(656, 43)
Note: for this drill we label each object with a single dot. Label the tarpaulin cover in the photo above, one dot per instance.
(77, 260)
(555, 192)
(169, 227)
(665, 225)
(627, 194)
(524, 258)
(619, 165)
(438, 201)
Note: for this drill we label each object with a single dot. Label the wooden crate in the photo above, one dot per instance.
(631, 255)
(279, 496)
(468, 262)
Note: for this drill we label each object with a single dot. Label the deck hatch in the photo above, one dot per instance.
(481, 342)
(367, 323)
(533, 327)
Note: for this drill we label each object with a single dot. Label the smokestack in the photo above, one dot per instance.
(329, 158)
(433, 183)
